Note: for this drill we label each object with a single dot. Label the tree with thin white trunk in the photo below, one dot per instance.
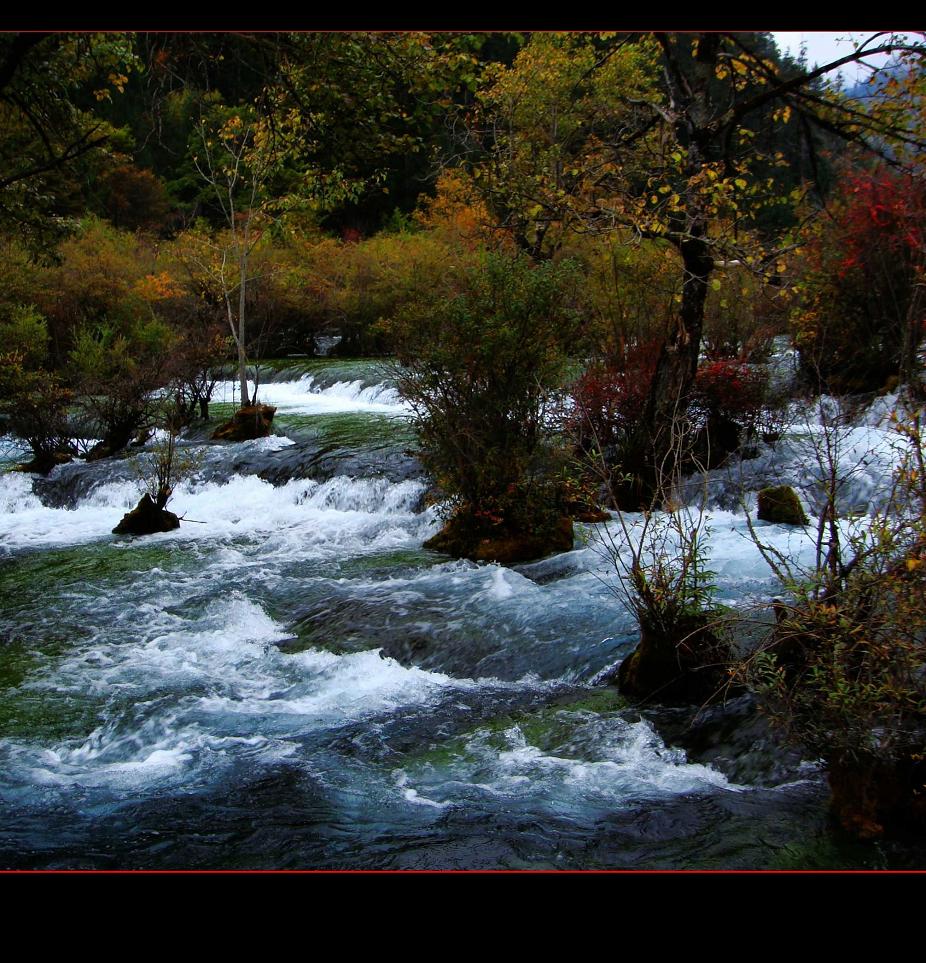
(236, 157)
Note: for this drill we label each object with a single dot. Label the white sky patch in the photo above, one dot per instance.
(823, 47)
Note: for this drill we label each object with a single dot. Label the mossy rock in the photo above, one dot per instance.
(146, 519)
(781, 506)
(504, 547)
(252, 421)
(687, 666)
(43, 464)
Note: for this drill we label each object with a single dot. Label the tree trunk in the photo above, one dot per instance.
(242, 357)
(912, 334)
(204, 409)
(243, 375)
(663, 440)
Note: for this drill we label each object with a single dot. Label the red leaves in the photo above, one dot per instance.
(611, 397)
(730, 388)
(882, 212)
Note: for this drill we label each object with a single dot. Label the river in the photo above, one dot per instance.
(291, 681)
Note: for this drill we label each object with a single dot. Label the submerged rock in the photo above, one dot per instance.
(781, 506)
(733, 737)
(146, 519)
(253, 421)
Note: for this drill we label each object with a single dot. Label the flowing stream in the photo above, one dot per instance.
(291, 680)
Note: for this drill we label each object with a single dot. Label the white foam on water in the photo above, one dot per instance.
(16, 494)
(604, 761)
(189, 679)
(330, 689)
(865, 455)
(730, 550)
(501, 583)
(190, 693)
(306, 396)
(348, 514)
(270, 443)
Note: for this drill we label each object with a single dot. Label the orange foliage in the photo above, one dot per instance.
(456, 212)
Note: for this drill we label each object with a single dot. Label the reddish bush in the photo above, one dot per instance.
(861, 318)
(727, 402)
(729, 389)
(610, 399)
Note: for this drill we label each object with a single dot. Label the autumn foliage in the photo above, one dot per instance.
(610, 400)
(862, 314)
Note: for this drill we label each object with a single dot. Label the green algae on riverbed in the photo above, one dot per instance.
(547, 728)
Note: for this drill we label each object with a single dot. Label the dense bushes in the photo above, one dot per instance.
(844, 671)
(727, 405)
(481, 370)
(33, 400)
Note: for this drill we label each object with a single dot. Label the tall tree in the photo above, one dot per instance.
(662, 137)
(49, 86)
(238, 155)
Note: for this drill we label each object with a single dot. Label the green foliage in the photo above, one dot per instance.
(539, 127)
(33, 401)
(481, 371)
(25, 333)
(371, 114)
(115, 371)
(660, 561)
(98, 280)
(165, 465)
(309, 284)
(53, 137)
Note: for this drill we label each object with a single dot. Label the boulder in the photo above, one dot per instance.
(687, 666)
(781, 506)
(504, 546)
(146, 519)
(42, 464)
(252, 421)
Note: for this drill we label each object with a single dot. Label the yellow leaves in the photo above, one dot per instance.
(913, 564)
(116, 80)
(157, 287)
(231, 128)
